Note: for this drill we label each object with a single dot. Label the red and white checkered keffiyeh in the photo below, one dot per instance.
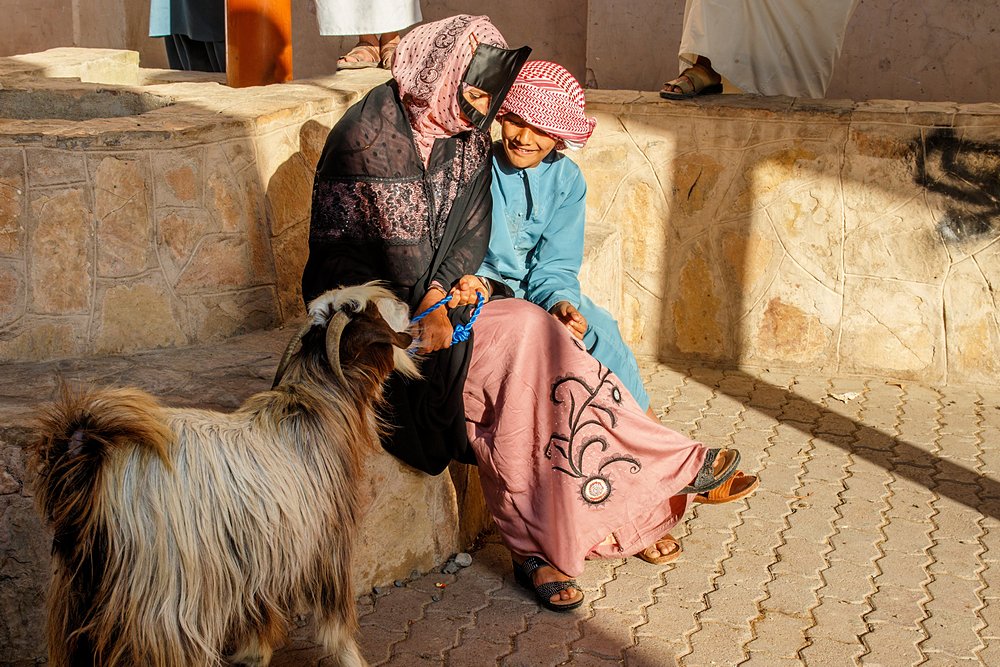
(547, 96)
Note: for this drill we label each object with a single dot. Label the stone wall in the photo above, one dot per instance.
(832, 236)
(154, 223)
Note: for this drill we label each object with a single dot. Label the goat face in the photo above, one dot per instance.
(364, 329)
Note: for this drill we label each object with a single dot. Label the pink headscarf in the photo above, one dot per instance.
(430, 63)
(547, 96)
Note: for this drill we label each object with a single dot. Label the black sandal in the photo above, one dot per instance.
(706, 479)
(523, 572)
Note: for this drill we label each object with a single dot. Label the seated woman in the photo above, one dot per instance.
(571, 466)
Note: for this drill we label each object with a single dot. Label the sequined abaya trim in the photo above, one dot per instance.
(396, 211)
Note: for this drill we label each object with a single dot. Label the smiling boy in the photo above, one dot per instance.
(539, 212)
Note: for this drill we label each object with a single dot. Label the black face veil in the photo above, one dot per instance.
(493, 71)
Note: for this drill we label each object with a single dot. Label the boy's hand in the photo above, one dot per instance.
(465, 290)
(567, 313)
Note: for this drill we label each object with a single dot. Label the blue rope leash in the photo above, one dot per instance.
(462, 331)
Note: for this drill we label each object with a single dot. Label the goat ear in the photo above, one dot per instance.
(369, 332)
(381, 329)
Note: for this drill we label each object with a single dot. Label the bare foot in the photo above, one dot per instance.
(664, 550)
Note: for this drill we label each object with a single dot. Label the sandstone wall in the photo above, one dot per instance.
(151, 217)
(838, 237)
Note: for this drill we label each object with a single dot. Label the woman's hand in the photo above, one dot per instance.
(465, 290)
(434, 331)
(571, 318)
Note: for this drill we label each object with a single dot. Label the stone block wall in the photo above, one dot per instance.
(150, 215)
(831, 236)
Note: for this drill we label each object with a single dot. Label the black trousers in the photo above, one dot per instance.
(189, 54)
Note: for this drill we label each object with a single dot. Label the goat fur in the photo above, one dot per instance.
(180, 533)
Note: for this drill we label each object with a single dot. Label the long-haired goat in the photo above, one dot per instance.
(181, 532)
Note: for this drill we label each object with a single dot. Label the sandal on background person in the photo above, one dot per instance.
(387, 49)
(364, 54)
(523, 574)
(695, 80)
(667, 549)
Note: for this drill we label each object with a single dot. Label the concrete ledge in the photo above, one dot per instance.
(413, 522)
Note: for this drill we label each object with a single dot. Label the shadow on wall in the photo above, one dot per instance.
(836, 247)
(289, 202)
(967, 174)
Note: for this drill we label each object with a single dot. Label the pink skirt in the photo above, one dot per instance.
(566, 456)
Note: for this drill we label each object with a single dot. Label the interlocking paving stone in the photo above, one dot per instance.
(898, 605)
(608, 631)
(890, 645)
(717, 644)
(654, 652)
(826, 651)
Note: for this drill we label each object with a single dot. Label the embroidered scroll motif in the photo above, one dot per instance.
(585, 430)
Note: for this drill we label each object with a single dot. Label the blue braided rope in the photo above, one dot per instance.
(462, 331)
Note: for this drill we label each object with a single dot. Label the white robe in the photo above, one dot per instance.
(366, 17)
(768, 47)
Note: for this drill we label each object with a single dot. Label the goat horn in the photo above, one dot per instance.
(333, 333)
(287, 356)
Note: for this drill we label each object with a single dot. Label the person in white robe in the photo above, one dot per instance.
(764, 47)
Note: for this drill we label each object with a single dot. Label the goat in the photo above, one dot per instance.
(181, 533)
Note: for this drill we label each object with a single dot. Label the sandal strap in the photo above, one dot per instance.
(683, 82)
(698, 77)
(705, 476)
(722, 491)
(549, 589)
(387, 54)
(532, 563)
(706, 479)
(363, 49)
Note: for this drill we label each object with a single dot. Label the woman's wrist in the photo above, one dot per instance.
(435, 289)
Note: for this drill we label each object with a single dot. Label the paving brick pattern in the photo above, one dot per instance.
(873, 540)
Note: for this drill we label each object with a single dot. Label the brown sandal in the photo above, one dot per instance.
(363, 54)
(736, 487)
(387, 52)
(673, 551)
(693, 81)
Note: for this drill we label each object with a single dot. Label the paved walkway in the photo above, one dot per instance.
(874, 540)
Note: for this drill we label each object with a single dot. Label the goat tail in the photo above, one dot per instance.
(77, 434)
(78, 437)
